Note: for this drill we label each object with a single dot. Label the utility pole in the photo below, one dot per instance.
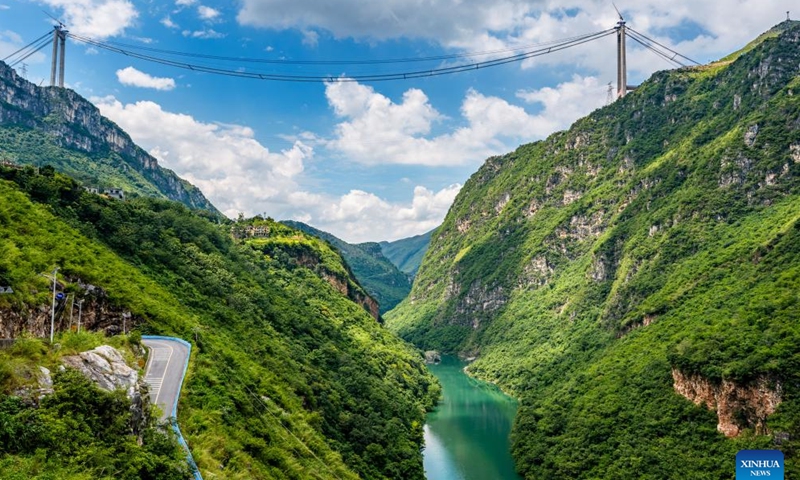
(71, 307)
(24, 70)
(80, 310)
(53, 309)
(610, 94)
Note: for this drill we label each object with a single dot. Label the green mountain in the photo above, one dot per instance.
(634, 280)
(290, 377)
(407, 253)
(55, 126)
(379, 276)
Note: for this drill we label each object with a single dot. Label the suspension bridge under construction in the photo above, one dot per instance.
(255, 68)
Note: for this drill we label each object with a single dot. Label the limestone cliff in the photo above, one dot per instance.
(68, 122)
(737, 406)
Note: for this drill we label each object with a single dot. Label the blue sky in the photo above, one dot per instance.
(365, 161)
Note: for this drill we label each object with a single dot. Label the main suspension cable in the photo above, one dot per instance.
(663, 46)
(655, 50)
(133, 47)
(28, 45)
(574, 41)
(41, 45)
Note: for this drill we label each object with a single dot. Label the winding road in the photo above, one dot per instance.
(164, 372)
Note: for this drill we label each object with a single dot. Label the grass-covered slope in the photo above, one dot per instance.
(288, 378)
(655, 245)
(380, 277)
(407, 253)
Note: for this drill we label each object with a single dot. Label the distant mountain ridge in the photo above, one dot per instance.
(407, 253)
(56, 126)
(379, 276)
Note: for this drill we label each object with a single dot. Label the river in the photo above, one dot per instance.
(466, 437)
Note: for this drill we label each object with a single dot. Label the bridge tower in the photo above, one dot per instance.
(59, 40)
(622, 68)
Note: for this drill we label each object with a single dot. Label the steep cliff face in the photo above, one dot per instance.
(56, 126)
(377, 275)
(737, 406)
(295, 247)
(347, 287)
(659, 233)
(89, 304)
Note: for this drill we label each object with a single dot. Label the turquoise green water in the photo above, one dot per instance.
(466, 437)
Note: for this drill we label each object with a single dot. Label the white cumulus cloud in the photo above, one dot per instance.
(353, 216)
(206, 34)
(239, 174)
(95, 18)
(135, 78)
(706, 30)
(376, 130)
(167, 22)
(207, 13)
(568, 101)
(441, 19)
(225, 161)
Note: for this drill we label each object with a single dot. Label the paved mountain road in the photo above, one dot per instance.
(164, 373)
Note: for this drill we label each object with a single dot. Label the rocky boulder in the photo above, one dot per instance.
(432, 357)
(105, 366)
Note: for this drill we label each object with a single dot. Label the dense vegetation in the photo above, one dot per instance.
(380, 277)
(407, 253)
(288, 379)
(660, 235)
(79, 431)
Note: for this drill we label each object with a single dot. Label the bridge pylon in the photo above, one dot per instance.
(622, 67)
(59, 40)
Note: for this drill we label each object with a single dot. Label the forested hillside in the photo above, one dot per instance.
(289, 378)
(379, 276)
(634, 280)
(57, 127)
(407, 253)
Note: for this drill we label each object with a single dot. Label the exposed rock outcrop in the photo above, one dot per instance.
(480, 300)
(45, 381)
(360, 297)
(737, 406)
(107, 368)
(432, 356)
(750, 135)
(97, 313)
